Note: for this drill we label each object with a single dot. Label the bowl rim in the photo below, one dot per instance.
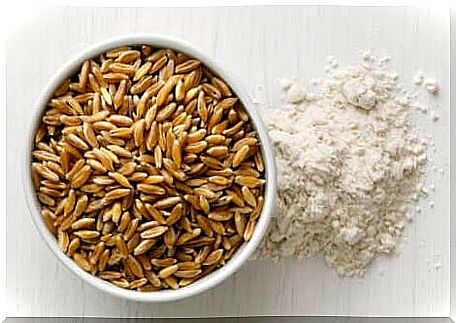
(244, 252)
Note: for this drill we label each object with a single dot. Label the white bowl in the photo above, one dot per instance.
(244, 251)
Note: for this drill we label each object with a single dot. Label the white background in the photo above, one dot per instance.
(260, 45)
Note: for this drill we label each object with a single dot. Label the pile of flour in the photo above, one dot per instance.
(349, 168)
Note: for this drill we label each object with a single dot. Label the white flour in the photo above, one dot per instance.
(431, 85)
(348, 168)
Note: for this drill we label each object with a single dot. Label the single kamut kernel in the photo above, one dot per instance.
(83, 223)
(82, 261)
(87, 234)
(171, 282)
(213, 258)
(144, 246)
(168, 271)
(135, 266)
(154, 232)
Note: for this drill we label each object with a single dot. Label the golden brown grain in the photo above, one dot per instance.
(154, 232)
(144, 246)
(135, 266)
(147, 168)
(165, 262)
(171, 282)
(82, 261)
(213, 258)
(168, 271)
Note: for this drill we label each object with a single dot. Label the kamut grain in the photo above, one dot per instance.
(147, 168)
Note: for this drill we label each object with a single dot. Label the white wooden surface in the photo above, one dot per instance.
(260, 44)
(453, 160)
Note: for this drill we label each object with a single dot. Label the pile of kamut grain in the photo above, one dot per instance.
(349, 167)
(148, 169)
